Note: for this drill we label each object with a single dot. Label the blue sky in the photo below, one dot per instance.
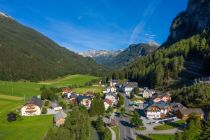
(82, 25)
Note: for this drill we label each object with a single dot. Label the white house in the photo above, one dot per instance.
(157, 110)
(56, 107)
(128, 87)
(107, 103)
(111, 89)
(147, 93)
(32, 107)
(113, 82)
(84, 101)
(112, 97)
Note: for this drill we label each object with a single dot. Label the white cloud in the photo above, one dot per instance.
(138, 33)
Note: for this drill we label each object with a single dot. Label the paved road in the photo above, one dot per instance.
(113, 133)
(126, 133)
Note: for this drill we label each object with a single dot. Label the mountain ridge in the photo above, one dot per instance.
(194, 20)
(28, 54)
(127, 55)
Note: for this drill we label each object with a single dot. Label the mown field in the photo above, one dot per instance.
(14, 94)
(28, 89)
(32, 128)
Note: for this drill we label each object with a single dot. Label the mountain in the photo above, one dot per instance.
(29, 55)
(186, 57)
(119, 59)
(194, 20)
(101, 56)
(99, 53)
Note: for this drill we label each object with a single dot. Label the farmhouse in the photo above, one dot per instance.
(32, 107)
(147, 93)
(107, 103)
(112, 97)
(186, 112)
(176, 106)
(73, 98)
(165, 97)
(66, 90)
(89, 94)
(157, 110)
(84, 100)
(128, 87)
(111, 89)
(55, 106)
(59, 118)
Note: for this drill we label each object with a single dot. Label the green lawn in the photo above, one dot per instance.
(169, 125)
(95, 89)
(163, 127)
(29, 89)
(156, 137)
(32, 128)
(7, 104)
(116, 130)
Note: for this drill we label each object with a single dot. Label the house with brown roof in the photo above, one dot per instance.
(157, 110)
(157, 97)
(107, 103)
(84, 101)
(66, 90)
(185, 113)
(59, 118)
(32, 107)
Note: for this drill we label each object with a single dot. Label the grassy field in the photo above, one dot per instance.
(32, 128)
(12, 97)
(170, 125)
(70, 80)
(28, 89)
(7, 104)
(156, 137)
(29, 128)
(95, 89)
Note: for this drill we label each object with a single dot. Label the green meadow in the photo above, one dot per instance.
(28, 89)
(156, 137)
(28, 128)
(70, 80)
(14, 94)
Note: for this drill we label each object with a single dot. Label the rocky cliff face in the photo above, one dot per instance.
(192, 21)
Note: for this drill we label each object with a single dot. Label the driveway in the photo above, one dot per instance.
(113, 133)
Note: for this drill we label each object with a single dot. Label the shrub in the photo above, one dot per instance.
(44, 110)
(46, 103)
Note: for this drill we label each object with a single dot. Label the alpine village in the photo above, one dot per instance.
(145, 92)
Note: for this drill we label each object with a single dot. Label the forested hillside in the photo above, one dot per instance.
(27, 54)
(168, 66)
(182, 58)
(127, 56)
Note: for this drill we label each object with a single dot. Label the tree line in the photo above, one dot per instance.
(166, 64)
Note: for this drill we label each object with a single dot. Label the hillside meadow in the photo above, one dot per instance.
(14, 94)
(28, 89)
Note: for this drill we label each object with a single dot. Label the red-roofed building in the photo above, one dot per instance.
(107, 103)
